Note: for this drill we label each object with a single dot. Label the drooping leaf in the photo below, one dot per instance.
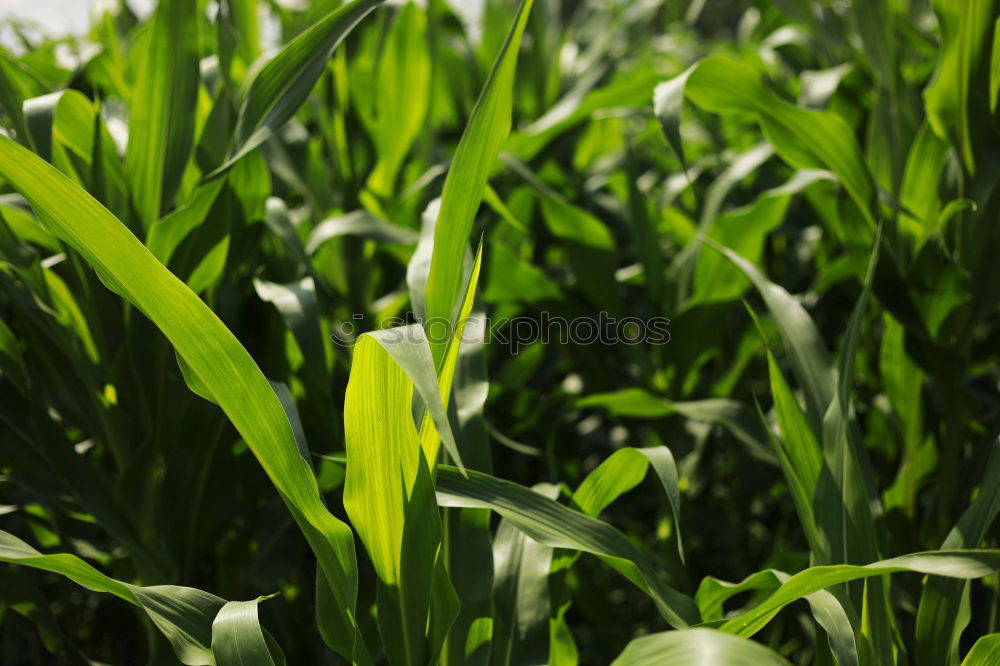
(986, 651)
(731, 414)
(951, 563)
(409, 348)
(555, 525)
(622, 471)
(210, 350)
(806, 139)
(237, 637)
(827, 610)
(183, 614)
(362, 224)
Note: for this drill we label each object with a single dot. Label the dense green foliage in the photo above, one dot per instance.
(232, 433)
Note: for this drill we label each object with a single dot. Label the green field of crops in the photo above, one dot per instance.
(501, 333)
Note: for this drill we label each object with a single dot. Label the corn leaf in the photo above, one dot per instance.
(623, 470)
(409, 349)
(388, 492)
(183, 614)
(285, 82)
(825, 607)
(799, 453)
(404, 76)
(161, 127)
(521, 593)
(465, 183)
(429, 433)
(469, 544)
(950, 563)
(809, 356)
(952, 96)
(221, 365)
(986, 651)
(237, 637)
(555, 525)
(358, 223)
(805, 139)
(943, 612)
(693, 647)
(167, 233)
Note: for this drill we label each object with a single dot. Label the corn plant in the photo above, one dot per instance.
(279, 382)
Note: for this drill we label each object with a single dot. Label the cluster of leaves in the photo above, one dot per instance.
(190, 220)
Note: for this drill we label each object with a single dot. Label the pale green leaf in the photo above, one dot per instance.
(696, 647)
